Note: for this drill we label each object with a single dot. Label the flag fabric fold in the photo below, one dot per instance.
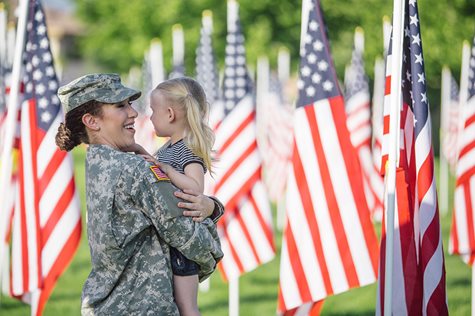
(329, 244)
(416, 159)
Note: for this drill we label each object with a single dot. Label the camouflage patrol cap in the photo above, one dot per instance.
(105, 88)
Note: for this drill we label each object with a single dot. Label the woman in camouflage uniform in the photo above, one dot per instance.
(133, 213)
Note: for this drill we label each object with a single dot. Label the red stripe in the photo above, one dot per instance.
(51, 169)
(469, 121)
(387, 86)
(454, 234)
(355, 177)
(333, 207)
(58, 211)
(466, 176)
(232, 204)
(296, 265)
(247, 236)
(231, 169)
(61, 263)
(232, 138)
(469, 214)
(262, 223)
(425, 177)
(467, 149)
(308, 207)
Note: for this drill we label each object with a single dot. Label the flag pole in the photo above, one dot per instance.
(11, 120)
(396, 69)
(234, 296)
(178, 45)
(156, 62)
(443, 163)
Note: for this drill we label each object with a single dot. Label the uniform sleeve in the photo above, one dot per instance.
(194, 240)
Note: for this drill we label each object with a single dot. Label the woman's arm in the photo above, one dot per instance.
(200, 206)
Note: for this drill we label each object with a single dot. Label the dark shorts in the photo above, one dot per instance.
(181, 265)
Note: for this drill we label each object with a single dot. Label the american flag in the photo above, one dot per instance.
(462, 235)
(329, 243)
(449, 122)
(357, 100)
(416, 222)
(46, 227)
(246, 227)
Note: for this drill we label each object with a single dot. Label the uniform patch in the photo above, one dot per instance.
(159, 174)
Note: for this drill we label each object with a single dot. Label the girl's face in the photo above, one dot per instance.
(116, 125)
(160, 114)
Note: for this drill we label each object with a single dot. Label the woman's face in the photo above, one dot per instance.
(159, 117)
(116, 125)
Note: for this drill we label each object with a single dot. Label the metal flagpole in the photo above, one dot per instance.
(11, 120)
(443, 163)
(178, 40)
(393, 154)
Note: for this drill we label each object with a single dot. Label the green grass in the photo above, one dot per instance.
(258, 289)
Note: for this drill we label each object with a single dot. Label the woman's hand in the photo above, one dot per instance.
(200, 206)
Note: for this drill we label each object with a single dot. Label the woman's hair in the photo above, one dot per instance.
(73, 131)
(188, 94)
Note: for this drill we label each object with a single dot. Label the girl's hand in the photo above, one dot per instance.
(151, 159)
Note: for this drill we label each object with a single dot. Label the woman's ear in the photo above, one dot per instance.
(90, 121)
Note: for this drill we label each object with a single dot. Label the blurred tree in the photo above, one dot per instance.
(120, 31)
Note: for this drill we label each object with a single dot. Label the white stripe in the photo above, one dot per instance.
(257, 233)
(234, 119)
(343, 193)
(60, 235)
(289, 288)
(30, 197)
(55, 189)
(360, 135)
(304, 309)
(235, 150)
(466, 162)
(305, 243)
(229, 266)
(322, 214)
(432, 275)
(48, 147)
(260, 197)
(237, 238)
(239, 176)
(423, 145)
(357, 102)
(428, 208)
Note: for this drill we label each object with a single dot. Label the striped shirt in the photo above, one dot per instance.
(178, 155)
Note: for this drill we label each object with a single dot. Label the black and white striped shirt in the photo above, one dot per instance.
(178, 155)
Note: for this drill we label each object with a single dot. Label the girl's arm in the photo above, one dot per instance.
(193, 179)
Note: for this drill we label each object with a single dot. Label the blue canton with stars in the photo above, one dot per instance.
(317, 78)
(206, 70)
(413, 76)
(356, 80)
(471, 73)
(236, 83)
(40, 78)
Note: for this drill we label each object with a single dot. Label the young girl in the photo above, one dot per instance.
(180, 111)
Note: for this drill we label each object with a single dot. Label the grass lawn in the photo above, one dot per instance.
(258, 289)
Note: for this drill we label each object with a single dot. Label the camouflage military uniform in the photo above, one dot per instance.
(132, 220)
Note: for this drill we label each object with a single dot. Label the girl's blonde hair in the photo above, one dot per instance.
(188, 94)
